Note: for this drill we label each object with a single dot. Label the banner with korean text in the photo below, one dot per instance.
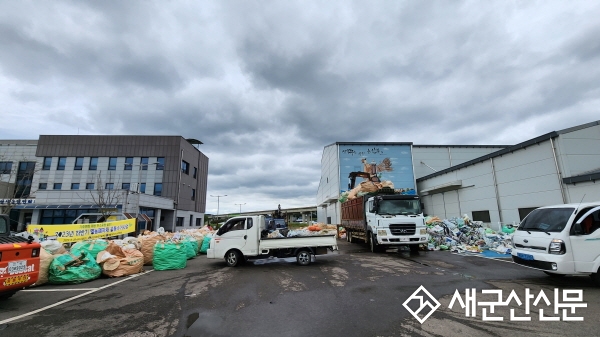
(80, 232)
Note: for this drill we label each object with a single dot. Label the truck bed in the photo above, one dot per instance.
(297, 242)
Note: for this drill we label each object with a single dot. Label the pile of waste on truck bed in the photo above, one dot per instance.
(465, 235)
(90, 259)
(312, 230)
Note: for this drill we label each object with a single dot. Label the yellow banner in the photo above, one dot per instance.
(80, 232)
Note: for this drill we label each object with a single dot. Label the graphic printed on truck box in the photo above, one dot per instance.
(392, 163)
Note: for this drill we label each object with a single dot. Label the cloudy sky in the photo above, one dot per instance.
(266, 85)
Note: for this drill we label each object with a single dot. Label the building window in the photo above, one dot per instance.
(62, 162)
(89, 186)
(109, 186)
(158, 189)
(193, 194)
(481, 216)
(128, 163)
(24, 178)
(43, 186)
(198, 222)
(112, 163)
(62, 216)
(160, 163)
(75, 186)
(47, 163)
(78, 164)
(143, 188)
(195, 172)
(93, 164)
(126, 186)
(5, 167)
(179, 221)
(144, 163)
(191, 220)
(57, 186)
(523, 212)
(185, 167)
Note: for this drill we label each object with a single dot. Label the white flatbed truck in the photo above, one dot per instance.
(243, 238)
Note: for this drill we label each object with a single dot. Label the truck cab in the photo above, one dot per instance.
(395, 219)
(560, 240)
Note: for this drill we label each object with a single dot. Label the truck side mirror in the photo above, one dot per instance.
(577, 230)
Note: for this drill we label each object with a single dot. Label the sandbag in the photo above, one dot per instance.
(147, 247)
(205, 244)
(45, 261)
(71, 269)
(169, 255)
(90, 246)
(116, 261)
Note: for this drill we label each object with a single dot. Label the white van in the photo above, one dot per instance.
(560, 240)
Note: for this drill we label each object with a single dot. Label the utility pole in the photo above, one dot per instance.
(241, 207)
(218, 199)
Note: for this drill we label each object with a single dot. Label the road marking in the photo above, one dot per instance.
(72, 298)
(80, 289)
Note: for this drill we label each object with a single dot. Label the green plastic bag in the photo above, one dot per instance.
(89, 246)
(190, 251)
(205, 244)
(169, 255)
(73, 269)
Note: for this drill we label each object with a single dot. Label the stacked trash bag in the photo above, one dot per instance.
(312, 230)
(464, 235)
(90, 259)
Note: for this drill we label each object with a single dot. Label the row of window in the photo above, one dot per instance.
(112, 163)
(484, 216)
(107, 186)
(185, 168)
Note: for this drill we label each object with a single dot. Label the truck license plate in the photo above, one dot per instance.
(404, 239)
(525, 256)
(17, 267)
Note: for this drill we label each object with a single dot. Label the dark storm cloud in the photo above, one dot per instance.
(266, 87)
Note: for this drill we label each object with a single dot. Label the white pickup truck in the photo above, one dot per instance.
(242, 238)
(560, 240)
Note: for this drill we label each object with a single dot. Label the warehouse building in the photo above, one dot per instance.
(161, 180)
(490, 183)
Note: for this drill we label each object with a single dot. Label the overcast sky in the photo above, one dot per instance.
(266, 85)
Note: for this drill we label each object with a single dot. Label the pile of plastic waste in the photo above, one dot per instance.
(465, 235)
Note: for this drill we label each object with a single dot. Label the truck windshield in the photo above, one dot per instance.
(399, 207)
(547, 220)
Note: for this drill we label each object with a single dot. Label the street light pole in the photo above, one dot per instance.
(218, 198)
(241, 207)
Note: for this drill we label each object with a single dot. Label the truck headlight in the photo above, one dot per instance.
(381, 232)
(557, 246)
(423, 231)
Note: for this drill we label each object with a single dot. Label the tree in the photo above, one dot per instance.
(106, 197)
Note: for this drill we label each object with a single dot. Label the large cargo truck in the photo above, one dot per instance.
(385, 219)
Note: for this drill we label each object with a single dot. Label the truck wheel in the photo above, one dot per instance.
(373, 244)
(233, 258)
(596, 277)
(303, 257)
(348, 236)
(7, 295)
(414, 248)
